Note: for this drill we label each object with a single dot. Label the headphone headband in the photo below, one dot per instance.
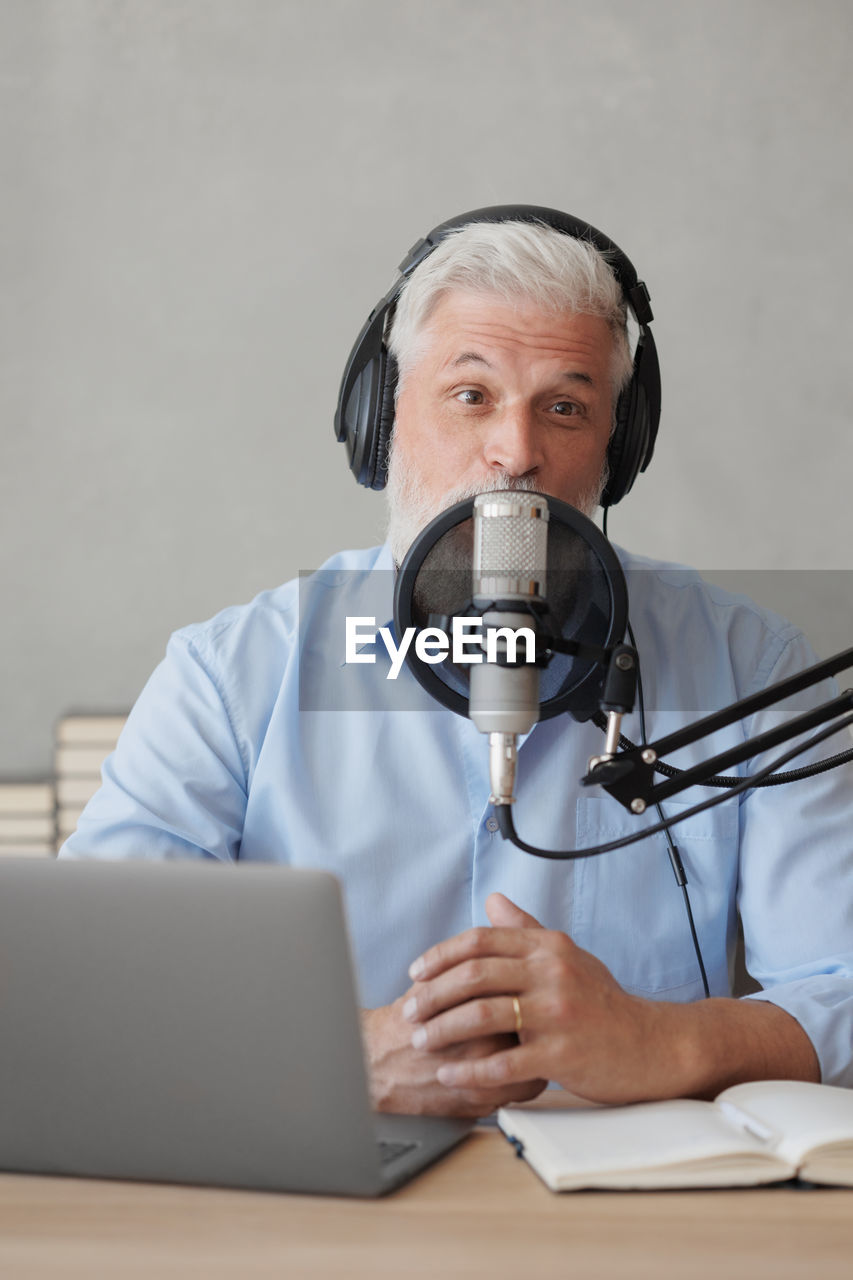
(364, 417)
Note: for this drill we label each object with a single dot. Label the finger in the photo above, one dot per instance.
(471, 1021)
(493, 976)
(512, 1066)
(503, 912)
(473, 943)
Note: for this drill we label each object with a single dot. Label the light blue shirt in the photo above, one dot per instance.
(254, 739)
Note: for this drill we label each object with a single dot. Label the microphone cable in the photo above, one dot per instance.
(503, 812)
(674, 855)
(672, 849)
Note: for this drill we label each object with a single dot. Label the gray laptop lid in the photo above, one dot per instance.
(185, 1022)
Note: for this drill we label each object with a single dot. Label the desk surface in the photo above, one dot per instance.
(480, 1212)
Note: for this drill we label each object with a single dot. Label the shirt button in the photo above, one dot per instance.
(491, 824)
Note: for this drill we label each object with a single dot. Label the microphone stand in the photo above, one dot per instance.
(629, 776)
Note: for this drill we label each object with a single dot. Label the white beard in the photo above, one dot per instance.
(411, 508)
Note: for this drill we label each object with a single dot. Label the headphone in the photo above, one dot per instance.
(364, 418)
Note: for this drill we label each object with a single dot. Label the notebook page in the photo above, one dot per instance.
(642, 1135)
(804, 1115)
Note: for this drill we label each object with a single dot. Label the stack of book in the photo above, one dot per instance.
(27, 819)
(83, 742)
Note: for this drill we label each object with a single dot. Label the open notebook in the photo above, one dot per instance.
(767, 1131)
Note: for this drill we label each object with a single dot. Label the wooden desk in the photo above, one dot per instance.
(479, 1213)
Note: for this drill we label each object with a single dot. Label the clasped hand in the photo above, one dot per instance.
(451, 1044)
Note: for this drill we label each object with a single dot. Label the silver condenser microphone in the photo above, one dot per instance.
(510, 559)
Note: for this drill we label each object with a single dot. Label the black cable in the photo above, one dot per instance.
(674, 855)
(672, 849)
(503, 812)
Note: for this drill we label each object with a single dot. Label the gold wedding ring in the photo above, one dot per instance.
(516, 1004)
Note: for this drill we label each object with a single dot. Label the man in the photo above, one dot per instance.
(512, 356)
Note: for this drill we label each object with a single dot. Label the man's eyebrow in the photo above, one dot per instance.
(474, 357)
(470, 357)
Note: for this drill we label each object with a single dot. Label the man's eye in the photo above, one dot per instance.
(566, 408)
(470, 396)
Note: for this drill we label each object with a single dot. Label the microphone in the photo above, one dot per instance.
(518, 535)
(509, 584)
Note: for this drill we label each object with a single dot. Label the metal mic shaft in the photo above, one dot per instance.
(510, 560)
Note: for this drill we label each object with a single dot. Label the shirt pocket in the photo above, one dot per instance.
(628, 909)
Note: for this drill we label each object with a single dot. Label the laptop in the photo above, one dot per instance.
(190, 1023)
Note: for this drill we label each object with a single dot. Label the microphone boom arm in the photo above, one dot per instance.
(629, 776)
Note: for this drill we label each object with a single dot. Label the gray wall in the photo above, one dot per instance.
(203, 198)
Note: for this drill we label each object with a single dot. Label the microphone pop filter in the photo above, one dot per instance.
(584, 590)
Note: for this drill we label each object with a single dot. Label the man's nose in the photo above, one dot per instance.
(513, 444)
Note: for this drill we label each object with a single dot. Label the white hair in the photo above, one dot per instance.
(515, 260)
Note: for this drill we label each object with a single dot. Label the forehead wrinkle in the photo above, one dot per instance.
(543, 345)
(458, 335)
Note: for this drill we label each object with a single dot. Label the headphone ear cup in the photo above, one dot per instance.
(363, 397)
(637, 418)
(356, 418)
(626, 452)
(384, 425)
(368, 420)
